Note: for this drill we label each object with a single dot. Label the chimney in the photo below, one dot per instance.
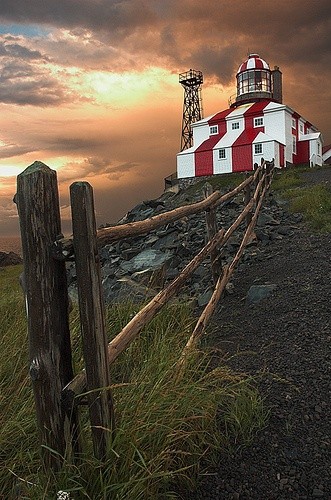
(277, 85)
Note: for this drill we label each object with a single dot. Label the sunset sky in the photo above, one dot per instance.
(90, 87)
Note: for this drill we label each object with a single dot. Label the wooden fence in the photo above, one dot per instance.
(56, 389)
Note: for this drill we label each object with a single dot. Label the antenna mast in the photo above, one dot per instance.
(191, 81)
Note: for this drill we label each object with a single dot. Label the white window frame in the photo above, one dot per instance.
(222, 154)
(258, 148)
(302, 128)
(213, 130)
(294, 145)
(235, 125)
(259, 121)
(294, 123)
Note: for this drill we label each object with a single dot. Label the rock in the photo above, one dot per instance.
(256, 293)
(147, 259)
(265, 219)
(125, 289)
(9, 259)
(204, 298)
(318, 493)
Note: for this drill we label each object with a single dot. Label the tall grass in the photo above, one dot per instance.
(167, 433)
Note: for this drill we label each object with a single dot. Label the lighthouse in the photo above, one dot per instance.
(256, 125)
(255, 81)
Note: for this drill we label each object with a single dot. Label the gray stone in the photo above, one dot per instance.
(147, 259)
(204, 298)
(167, 241)
(256, 293)
(267, 220)
(262, 235)
(317, 493)
(125, 289)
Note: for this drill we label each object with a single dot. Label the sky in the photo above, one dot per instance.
(90, 87)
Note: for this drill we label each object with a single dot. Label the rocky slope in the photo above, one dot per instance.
(137, 268)
(283, 341)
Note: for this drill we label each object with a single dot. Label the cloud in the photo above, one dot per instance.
(12, 150)
(27, 78)
(91, 86)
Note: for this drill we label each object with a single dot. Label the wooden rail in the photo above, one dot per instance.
(57, 392)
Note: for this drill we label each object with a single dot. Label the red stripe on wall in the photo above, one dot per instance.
(203, 156)
(242, 149)
(281, 155)
(302, 155)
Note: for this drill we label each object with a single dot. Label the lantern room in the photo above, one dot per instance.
(255, 81)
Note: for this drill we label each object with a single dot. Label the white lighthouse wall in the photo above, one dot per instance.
(268, 149)
(277, 155)
(301, 125)
(200, 132)
(224, 165)
(289, 137)
(274, 122)
(315, 152)
(185, 164)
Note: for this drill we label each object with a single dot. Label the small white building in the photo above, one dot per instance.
(256, 125)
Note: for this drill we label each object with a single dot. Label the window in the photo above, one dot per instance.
(258, 149)
(318, 148)
(253, 81)
(294, 145)
(294, 123)
(221, 154)
(258, 122)
(301, 128)
(213, 130)
(235, 125)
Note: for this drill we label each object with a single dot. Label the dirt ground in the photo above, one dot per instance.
(285, 342)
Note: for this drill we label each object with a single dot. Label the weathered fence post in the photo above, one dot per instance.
(47, 307)
(212, 229)
(92, 317)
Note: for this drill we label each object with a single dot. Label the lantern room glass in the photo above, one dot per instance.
(253, 81)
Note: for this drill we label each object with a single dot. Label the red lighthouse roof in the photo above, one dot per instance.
(254, 61)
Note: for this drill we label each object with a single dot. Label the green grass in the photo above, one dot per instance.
(313, 202)
(167, 432)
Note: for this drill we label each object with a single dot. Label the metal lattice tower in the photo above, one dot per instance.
(191, 81)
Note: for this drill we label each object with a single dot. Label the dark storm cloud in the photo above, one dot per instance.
(119, 16)
(17, 50)
(25, 78)
(13, 150)
(38, 91)
(210, 34)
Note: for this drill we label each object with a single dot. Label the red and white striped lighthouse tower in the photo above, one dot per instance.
(256, 125)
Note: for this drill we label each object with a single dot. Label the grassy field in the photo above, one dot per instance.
(167, 432)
